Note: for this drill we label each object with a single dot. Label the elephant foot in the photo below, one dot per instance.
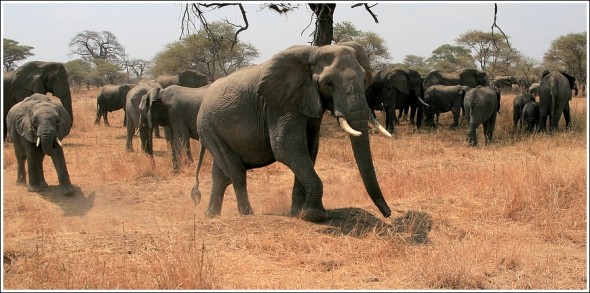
(36, 188)
(211, 214)
(68, 190)
(245, 210)
(196, 194)
(313, 215)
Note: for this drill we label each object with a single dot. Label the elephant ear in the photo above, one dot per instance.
(30, 77)
(287, 84)
(65, 121)
(19, 118)
(399, 79)
(363, 60)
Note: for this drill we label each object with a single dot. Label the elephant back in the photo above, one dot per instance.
(193, 79)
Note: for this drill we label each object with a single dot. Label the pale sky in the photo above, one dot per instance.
(417, 28)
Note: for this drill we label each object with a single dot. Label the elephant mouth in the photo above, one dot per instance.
(56, 140)
(346, 127)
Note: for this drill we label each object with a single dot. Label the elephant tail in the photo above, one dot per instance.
(195, 193)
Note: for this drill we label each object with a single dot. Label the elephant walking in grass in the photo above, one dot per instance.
(501, 82)
(555, 93)
(440, 99)
(470, 77)
(397, 89)
(175, 108)
(187, 78)
(36, 77)
(481, 106)
(111, 98)
(517, 104)
(272, 112)
(132, 102)
(530, 115)
(36, 126)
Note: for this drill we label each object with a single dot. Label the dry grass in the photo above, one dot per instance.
(511, 215)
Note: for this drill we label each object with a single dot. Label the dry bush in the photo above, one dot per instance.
(509, 215)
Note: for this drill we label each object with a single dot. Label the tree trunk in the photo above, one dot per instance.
(324, 29)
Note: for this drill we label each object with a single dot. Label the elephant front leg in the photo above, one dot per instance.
(21, 158)
(36, 178)
(59, 162)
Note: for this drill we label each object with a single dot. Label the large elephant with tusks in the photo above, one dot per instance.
(272, 112)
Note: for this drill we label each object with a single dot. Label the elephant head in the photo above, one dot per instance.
(43, 77)
(42, 121)
(191, 78)
(152, 112)
(472, 77)
(309, 79)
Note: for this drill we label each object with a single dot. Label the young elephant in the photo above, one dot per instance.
(530, 115)
(36, 126)
(441, 99)
(517, 105)
(481, 106)
(175, 108)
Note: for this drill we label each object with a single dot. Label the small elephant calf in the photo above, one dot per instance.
(36, 126)
(530, 115)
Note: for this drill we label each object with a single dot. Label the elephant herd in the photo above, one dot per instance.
(266, 113)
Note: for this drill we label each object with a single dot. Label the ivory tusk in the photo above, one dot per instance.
(58, 142)
(422, 101)
(378, 126)
(38, 140)
(344, 124)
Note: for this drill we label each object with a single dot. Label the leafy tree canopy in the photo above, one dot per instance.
(14, 52)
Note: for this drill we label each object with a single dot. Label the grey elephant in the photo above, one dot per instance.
(530, 115)
(555, 92)
(111, 98)
(175, 108)
(395, 88)
(517, 104)
(36, 77)
(481, 104)
(187, 78)
(534, 89)
(470, 77)
(441, 99)
(504, 81)
(132, 113)
(272, 112)
(36, 126)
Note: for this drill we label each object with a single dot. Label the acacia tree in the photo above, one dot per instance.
(373, 43)
(209, 52)
(568, 52)
(491, 51)
(14, 52)
(78, 72)
(450, 58)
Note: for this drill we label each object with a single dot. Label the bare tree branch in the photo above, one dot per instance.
(368, 8)
(495, 25)
(194, 10)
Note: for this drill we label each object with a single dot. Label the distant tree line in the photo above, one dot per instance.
(215, 50)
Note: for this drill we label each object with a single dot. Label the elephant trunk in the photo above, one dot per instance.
(362, 154)
(65, 97)
(46, 141)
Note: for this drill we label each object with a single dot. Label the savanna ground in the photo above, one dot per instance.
(511, 215)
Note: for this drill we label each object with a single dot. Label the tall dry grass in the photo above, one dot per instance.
(510, 215)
